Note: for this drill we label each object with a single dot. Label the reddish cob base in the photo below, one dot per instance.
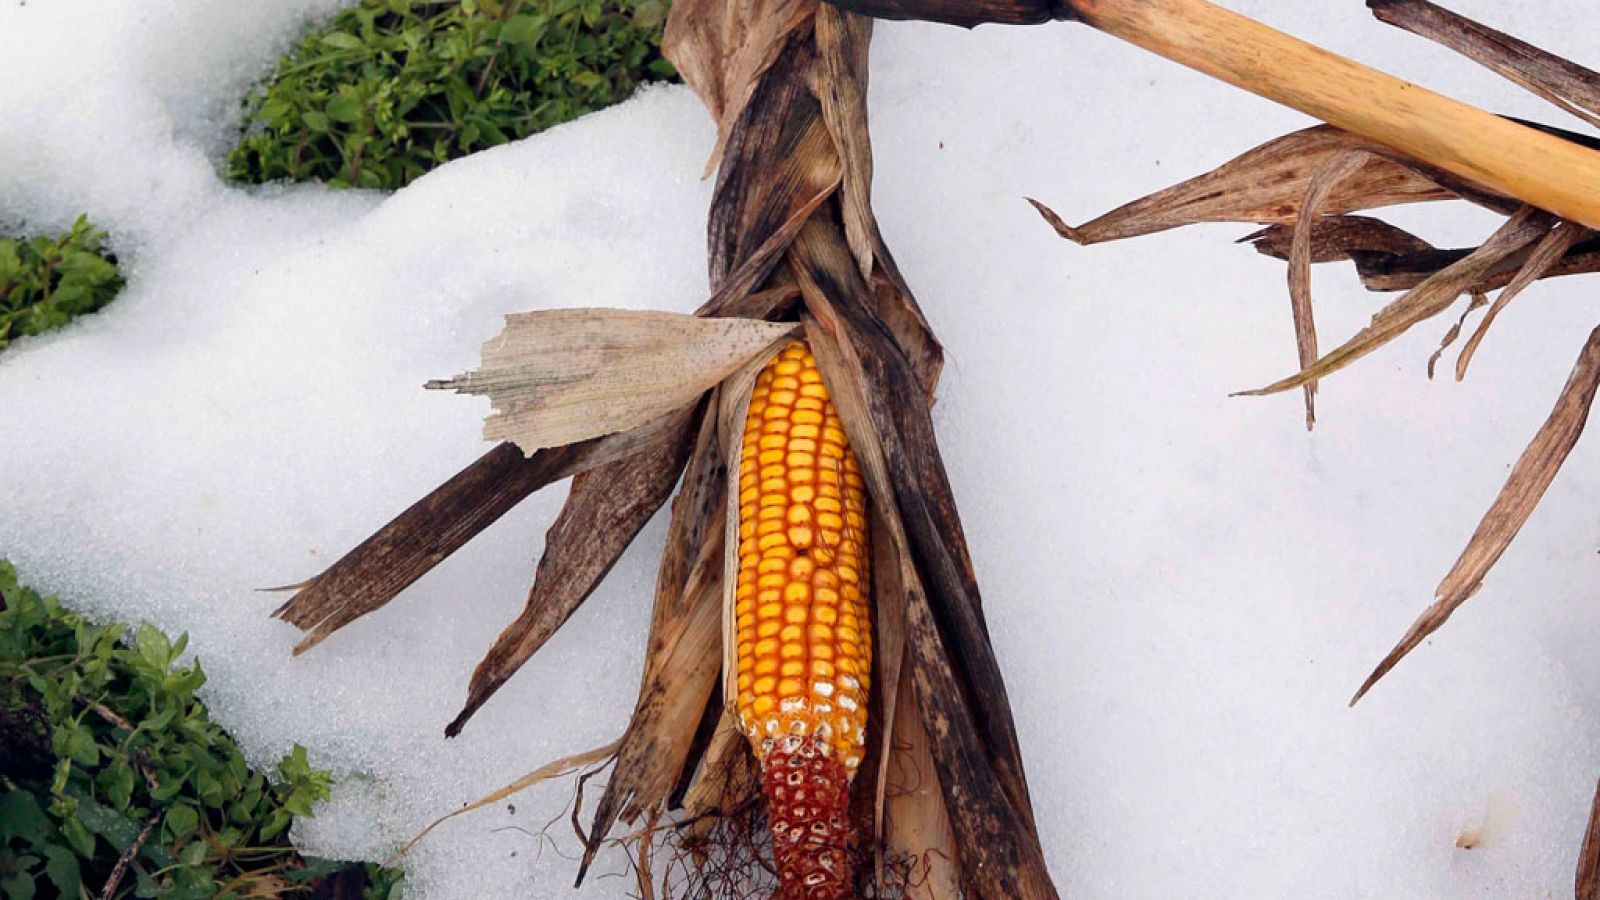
(808, 800)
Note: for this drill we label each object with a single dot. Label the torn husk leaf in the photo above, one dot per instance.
(604, 511)
(560, 376)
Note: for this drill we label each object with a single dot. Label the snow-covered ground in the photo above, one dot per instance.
(1184, 589)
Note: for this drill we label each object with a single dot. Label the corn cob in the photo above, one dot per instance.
(804, 633)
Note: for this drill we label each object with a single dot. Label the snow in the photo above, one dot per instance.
(1184, 589)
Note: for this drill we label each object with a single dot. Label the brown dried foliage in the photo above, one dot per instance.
(1306, 188)
(791, 238)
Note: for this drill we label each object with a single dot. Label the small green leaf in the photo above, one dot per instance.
(20, 885)
(21, 817)
(153, 647)
(62, 869)
(523, 30)
(344, 109)
(79, 837)
(339, 40)
(181, 820)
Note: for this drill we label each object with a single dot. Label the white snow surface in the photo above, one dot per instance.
(1183, 589)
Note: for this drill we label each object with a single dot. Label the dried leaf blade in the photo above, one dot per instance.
(559, 376)
(1531, 476)
(1588, 880)
(604, 512)
(1265, 185)
(1424, 301)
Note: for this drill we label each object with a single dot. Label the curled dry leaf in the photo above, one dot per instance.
(1385, 272)
(1453, 333)
(560, 376)
(1267, 185)
(1335, 172)
(1529, 479)
(376, 571)
(1339, 238)
(679, 680)
(722, 48)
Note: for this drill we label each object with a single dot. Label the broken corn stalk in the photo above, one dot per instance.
(804, 643)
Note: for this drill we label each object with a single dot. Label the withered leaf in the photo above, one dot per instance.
(565, 375)
(410, 545)
(918, 828)
(1326, 180)
(1338, 238)
(1403, 272)
(842, 43)
(553, 769)
(1266, 185)
(889, 649)
(1451, 334)
(680, 675)
(1424, 301)
(1529, 479)
(605, 510)
(722, 48)
(1588, 881)
(1572, 87)
(959, 687)
(779, 158)
(1546, 255)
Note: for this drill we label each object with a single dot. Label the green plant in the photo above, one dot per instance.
(392, 88)
(45, 281)
(111, 772)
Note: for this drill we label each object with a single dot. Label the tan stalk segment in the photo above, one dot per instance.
(803, 633)
(1539, 169)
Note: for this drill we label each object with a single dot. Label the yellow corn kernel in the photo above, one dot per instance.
(802, 653)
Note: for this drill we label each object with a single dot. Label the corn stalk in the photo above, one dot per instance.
(632, 405)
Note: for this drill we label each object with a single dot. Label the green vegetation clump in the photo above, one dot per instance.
(45, 281)
(392, 88)
(112, 773)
